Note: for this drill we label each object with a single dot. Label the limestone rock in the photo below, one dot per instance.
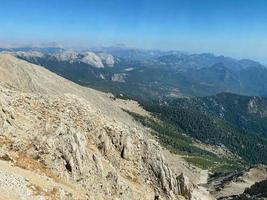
(127, 149)
(76, 136)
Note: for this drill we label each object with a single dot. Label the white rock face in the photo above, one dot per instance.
(89, 58)
(92, 59)
(69, 55)
(107, 59)
(118, 77)
(30, 54)
(77, 137)
(99, 60)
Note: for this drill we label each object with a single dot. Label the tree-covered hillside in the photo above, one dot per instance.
(247, 113)
(189, 117)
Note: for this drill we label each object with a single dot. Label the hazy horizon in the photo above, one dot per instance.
(231, 28)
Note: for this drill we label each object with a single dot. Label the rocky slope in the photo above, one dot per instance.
(62, 141)
(231, 186)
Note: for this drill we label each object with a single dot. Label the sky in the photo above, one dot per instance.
(235, 28)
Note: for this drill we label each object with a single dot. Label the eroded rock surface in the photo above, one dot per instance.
(79, 139)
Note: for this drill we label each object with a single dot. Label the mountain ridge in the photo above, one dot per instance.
(157, 74)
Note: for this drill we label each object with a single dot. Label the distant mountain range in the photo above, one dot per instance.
(151, 74)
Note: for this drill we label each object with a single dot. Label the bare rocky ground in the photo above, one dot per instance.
(62, 141)
(235, 184)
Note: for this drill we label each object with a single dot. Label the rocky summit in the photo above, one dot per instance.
(63, 141)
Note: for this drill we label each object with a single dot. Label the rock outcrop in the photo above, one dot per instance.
(78, 139)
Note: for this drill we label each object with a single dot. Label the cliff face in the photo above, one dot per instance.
(62, 141)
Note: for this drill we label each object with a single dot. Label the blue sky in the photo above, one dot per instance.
(232, 27)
